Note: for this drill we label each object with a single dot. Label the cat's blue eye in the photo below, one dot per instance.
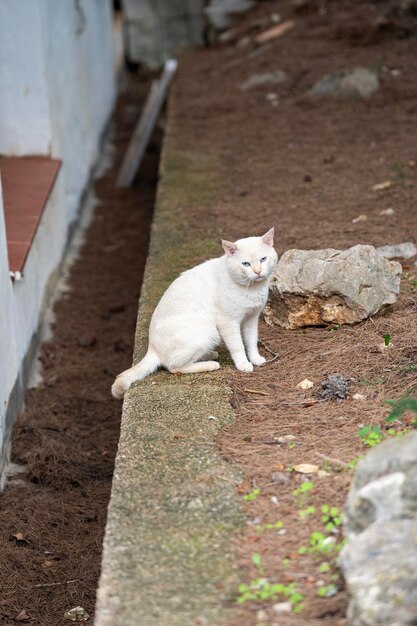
(263, 259)
(246, 263)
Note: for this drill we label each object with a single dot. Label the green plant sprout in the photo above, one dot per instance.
(331, 517)
(324, 567)
(371, 435)
(327, 591)
(257, 561)
(353, 462)
(261, 589)
(320, 543)
(252, 495)
(302, 492)
(304, 513)
(271, 526)
(387, 340)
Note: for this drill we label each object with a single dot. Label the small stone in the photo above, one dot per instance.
(282, 607)
(389, 211)
(268, 78)
(358, 396)
(357, 83)
(271, 96)
(261, 616)
(399, 251)
(280, 478)
(286, 438)
(274, 500)
(305, 384)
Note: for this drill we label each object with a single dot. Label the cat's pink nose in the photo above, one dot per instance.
(257, 269)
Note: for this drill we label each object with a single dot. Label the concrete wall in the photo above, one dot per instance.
(155, 29)
(57, 63)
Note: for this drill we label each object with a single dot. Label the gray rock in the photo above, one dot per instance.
(380, 570)
(319, 287)
(269, 78)
(379, 561)
(385, 485)
(399, 251)
(357, 83)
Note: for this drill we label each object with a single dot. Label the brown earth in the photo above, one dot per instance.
(52, 516)
(308, 166)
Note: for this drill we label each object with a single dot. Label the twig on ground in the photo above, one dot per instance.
(332, 460)
(261, 393)
(62, 582)
(275, 355)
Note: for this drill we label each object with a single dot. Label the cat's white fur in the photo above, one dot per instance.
(219, 300)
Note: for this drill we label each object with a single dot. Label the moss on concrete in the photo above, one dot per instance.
(173, 507)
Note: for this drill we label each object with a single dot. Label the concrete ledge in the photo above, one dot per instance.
(173, 507)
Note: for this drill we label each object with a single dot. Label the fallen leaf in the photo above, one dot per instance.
(19, 538)
(305, 384)
(306, 468)
(381, 186)
(275, 31)
(23, 616)
(360, 218)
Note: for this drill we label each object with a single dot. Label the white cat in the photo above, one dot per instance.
(219, 300)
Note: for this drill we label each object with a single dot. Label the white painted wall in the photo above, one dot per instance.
(57, 92)
(24, 106)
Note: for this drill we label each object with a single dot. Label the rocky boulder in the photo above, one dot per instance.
(379, 560)
(320, 287)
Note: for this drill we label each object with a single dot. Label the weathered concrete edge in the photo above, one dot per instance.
(173, 508)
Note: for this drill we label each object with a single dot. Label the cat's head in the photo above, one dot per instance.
(251, 260)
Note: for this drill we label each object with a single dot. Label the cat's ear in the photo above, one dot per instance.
(229, 247)
(268, 238)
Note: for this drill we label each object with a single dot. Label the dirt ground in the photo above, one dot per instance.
(307, 166)
(52, 516)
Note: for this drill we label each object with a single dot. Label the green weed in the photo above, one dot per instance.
(252, 495)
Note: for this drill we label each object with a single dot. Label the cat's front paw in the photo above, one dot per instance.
(244, 366)
(120, 386)
(258, 360)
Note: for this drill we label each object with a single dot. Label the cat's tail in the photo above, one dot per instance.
(146, 366)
